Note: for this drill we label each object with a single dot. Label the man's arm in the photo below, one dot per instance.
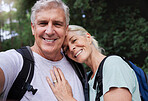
(118, 94)
(2, 80)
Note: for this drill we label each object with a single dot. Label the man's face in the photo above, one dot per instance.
(49, 31)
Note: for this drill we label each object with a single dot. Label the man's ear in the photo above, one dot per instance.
(32, 28)
(66, 30)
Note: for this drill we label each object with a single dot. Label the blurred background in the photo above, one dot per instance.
(120, 26)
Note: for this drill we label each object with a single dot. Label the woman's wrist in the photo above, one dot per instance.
(69, 99)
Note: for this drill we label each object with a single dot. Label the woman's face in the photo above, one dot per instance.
(77, 47)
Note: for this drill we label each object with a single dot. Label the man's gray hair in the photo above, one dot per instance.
(43, 4)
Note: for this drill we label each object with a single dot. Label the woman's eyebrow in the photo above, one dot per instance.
(71, 38)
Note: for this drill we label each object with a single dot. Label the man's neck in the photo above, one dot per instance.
(55, 56)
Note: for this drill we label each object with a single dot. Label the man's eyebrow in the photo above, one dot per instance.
(57, 21)
(40, 21)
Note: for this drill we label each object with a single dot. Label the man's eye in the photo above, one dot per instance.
(43, 23)
(58, 25)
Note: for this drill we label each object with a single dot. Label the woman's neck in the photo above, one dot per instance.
(94, 60)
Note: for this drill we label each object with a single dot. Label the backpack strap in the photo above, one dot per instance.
(139, 73)
(142, 79)
(81, 73)
(98, 81)
(133, 66)
(23, 80)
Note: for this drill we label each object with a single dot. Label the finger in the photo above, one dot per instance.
(50, 83)
(57, 74)
(53, 76)
(61, 74)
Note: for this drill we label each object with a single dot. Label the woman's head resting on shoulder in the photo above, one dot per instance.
(79, 43)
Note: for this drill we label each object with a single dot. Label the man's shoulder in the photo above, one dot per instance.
(8, 51)
(12, 53)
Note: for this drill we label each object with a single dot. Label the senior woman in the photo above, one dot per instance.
(119, 80)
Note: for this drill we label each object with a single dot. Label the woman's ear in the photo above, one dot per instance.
(89, 38)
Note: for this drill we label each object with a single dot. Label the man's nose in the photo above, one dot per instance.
(49, 29)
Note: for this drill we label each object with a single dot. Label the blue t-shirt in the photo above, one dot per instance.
(116, 73)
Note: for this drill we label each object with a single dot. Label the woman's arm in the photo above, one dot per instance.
(118, 94)
(60, 87)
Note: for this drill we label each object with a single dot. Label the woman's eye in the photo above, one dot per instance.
(74, 40)
(66, 49)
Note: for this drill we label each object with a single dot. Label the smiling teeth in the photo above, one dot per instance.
(49, 40)
(78, 53)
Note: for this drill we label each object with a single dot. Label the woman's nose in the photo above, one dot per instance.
(72, 47)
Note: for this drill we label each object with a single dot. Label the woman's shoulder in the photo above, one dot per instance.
(115, 62)
(114, 59)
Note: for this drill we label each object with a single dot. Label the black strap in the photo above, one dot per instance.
(98, 81)
(81, 73)
(23, 80)
(99, 76)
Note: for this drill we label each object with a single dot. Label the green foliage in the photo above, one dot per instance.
(23, 7)
(25, 37)
(119, 30)
(118, 26)
(127, 36)
(26, 34)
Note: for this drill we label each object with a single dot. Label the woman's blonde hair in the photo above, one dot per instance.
(81, 31)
